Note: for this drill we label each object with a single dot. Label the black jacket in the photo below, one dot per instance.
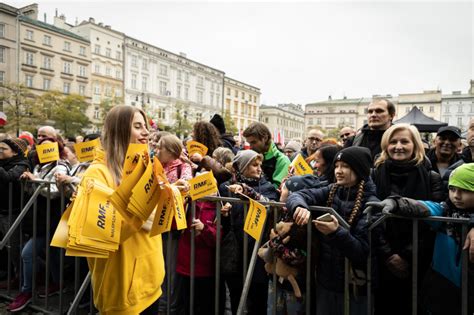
(228, 142)
(367, 138)
(343, 243)
(10, 172)
(431, 154)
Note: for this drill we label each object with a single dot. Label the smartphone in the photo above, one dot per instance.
(325, 218)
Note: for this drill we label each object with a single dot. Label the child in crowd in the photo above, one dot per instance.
(347, 196)
(441, 290)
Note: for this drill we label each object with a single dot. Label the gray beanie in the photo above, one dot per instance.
(243, 159)
(293, 146)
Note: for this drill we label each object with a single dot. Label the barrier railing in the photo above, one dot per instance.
(80, 286)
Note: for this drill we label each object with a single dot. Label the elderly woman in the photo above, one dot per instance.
(403, 169)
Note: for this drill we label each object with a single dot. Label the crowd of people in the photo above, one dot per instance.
(385, 167)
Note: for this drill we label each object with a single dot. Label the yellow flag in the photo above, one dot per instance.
(300, 165)
(179, 212)
(255, 220)
(202, 185)
(86, 151)
(164, 212)
(196, 147)
(134, 150)
(159, 171)
(61, 234)
(48, 152)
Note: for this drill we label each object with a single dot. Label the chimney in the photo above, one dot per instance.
(91, 20)
(108, 27)
(182, 54)
(101, 24)
(471, 90)
(330, 97)
(62, 17)
(45, 18)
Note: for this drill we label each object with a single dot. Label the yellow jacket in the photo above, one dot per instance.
(129, 280)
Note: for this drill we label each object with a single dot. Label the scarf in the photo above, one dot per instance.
(406, 178)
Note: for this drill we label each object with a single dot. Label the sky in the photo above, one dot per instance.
(302, 52)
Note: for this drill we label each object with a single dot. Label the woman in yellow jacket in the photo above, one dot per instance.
(129, 280)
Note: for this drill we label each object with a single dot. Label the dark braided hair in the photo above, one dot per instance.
(357, 203)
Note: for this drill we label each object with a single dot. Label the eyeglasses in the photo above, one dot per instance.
(311, 139)
(344, 135)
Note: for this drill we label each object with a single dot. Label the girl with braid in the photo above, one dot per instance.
(347, 196)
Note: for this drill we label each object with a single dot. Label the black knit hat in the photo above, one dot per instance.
(358, 158)
(218, 122)
(16, 144)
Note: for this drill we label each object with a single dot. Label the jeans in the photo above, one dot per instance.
(27, 256)
(332, 303)
(286, 303)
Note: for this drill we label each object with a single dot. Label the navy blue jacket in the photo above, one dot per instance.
(342, 243)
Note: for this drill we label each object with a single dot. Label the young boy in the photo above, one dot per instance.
(441, 291)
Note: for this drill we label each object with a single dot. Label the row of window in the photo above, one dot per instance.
(109, 90)
(47, 63)
(447, 109)
(331, 121)
(109, 71)
(108, 52)
(242, 95)
(30, 80)
(48, 41)
(245, 109)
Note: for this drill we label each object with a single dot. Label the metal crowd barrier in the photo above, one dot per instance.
(80, 286)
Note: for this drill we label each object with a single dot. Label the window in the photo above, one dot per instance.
(144, 83)
(46, 84)
(179, 74)
(2, 76)
(236, 93)
(186, 93)
(108, 90)
(29, 81)
(47, 40)
(178, 91)
(134, 81)
(108, 71)
(254, 99)
(407, 109)
(82, 51)
(82, 71)
(96, 113)
(310, 121)
(67, 46)
(199, 97)
(82, 90)
(30, 58)
(108, 52)
(236, 107)
(218, 99)
(211, 99)
(460, 122)
(421, 108)
(459, 108)
(47, 62)
(446, 109)
(145, 64)
(66, 88)
(29, 35)
(97, 68)
(228, 91)
(242, 95)
(118, 92)
(97, 89)
(163, 70)
(200, 81)
(186, 77)
(118, 74)
(163, 88)
(431, 109)
(118, 55)
(97, 49)
(134, 61)
(67, 67)
(2, 54)
(318, 121)
(2, 30)
(212, 86)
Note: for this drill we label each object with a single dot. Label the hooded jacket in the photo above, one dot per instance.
(10, 172)
(352, 243)
(130, 279)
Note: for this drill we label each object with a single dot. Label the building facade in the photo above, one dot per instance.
(9, 44)
(106, 51)
(336, 113)
(52, 58)
(458, 108)
(242, 102)
(429, 102)
(288, 119)
(164, 83)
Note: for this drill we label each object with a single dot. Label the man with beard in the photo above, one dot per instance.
(312, 143)
(446, 144)
(380, 114)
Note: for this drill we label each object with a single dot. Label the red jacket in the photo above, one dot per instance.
(205, 244)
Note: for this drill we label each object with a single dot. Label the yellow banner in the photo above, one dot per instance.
(48, 152)
(159, 171)
(196, 147)
(134, 150)
(179, 212)
(255, 220)
(164, 212)
(61, 234)
(202, 185)
(301, 167)
(86, 151)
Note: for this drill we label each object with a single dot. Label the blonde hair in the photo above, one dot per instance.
(116, 137)
(418, 149)
(223, 155)
(171, 143)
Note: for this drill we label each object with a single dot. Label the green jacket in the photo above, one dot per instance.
(275, 165)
